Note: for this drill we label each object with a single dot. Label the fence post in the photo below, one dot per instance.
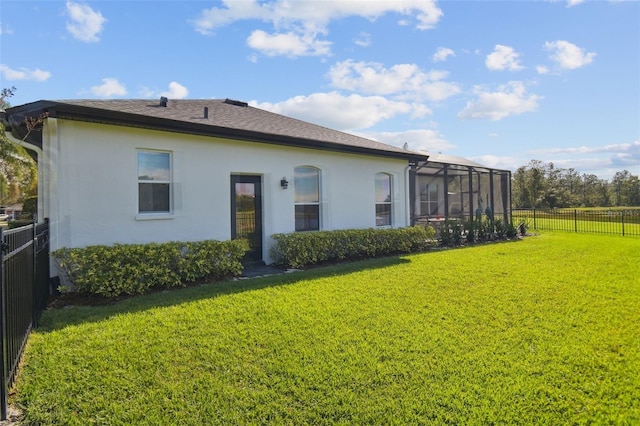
(623, 223)
(575, 220)
(3, 336)
(534, 219)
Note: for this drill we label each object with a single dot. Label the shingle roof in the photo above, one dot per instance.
(225, 118)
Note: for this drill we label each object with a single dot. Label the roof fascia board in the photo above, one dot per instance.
(97, 115)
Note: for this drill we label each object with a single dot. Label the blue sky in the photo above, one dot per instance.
(499, 82)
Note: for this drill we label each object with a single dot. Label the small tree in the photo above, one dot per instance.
(18, 171)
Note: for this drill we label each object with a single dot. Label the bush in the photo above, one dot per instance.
(452, 233)
(522, 227)
(136, 268)
(301, 249)
(19, 223)
(29, 208)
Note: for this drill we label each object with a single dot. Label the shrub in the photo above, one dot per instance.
(452, 233)
(455, 233)
(301, 249)
(470, 229)
(135, 268)
(522, 227)
(19, 223)
(29, 208)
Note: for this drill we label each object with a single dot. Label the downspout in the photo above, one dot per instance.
(26, 144)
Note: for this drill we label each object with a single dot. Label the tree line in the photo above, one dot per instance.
(543, 185)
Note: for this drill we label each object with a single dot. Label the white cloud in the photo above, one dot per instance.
(571, 3)
(213, 18)
(176, 91)
(541, 69)
(604, 160)
(632, 148)
(442, 54)
(406, 81)
(568, 55)
(5, 29)
(336, 111)
(503, 58)
(24, 74)
(363, 40)
(509, 99)
(145, 92)
(109, 88)
(498, 162)
(288, 44)
(306, 20)
(417, 140)
(86, 24)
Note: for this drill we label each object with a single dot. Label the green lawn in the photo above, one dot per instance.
(541, 331)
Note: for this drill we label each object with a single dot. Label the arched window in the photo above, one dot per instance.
(307, 198)
(383, 199)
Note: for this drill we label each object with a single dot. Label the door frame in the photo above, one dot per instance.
(256, 254)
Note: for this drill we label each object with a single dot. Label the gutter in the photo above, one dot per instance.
(95, 115)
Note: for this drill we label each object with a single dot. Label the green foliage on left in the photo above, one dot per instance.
(30, 207)
(136, 268)
(18, 172)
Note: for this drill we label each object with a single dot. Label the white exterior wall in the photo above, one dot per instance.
(91, 185)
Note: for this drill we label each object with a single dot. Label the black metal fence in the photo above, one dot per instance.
(24, 274)
(601, 221)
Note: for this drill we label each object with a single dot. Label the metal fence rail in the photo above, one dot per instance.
(616, 222)
(24, 274)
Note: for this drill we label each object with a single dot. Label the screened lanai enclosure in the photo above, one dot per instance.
(450, 187)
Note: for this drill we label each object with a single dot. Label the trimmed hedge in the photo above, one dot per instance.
(301, 249)
(136, 268)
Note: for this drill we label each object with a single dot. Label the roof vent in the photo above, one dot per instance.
(236, 103)
(206, 112)
(163, 101)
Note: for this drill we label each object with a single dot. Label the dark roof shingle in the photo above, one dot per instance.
(225, 118)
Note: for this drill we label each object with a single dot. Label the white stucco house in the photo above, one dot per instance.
(138, 171)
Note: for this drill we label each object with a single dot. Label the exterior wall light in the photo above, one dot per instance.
(284, 183)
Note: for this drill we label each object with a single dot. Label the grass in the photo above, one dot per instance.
(542, 331)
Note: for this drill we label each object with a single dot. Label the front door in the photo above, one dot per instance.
(246, 214)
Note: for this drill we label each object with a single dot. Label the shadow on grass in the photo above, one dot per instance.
(58, 318)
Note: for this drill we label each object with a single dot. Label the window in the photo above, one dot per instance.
(307, 198)
(154, 182)
(428, 197)
(383, 199)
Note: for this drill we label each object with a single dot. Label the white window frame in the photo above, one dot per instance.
(314, 203)
(150, 215)
(389, 203)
